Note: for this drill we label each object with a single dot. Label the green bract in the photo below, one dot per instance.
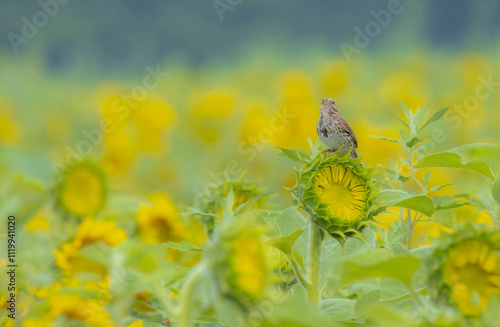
(337, 192)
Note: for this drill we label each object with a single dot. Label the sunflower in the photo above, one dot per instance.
(337, 193)
(82, 191)
(240, 259)
(465, 269)
(89, 232)
(161, 222)
(243, 190)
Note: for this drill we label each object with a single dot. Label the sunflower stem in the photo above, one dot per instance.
(186, 298)
(298, 272)
(314, 264)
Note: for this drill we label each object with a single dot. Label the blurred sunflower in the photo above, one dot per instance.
(10, 130)
(74, 306)
(240, 259)
(161, 222)
(465, 269)
(404, 87)
(89, 232)
(209, 111)
(151, 118)
(39, 222)
(243, 191)
(83, 189)
(337, 193)
(298, 111)
(120, 153)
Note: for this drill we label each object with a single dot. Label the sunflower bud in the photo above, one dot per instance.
(207, 202)
(337, 193)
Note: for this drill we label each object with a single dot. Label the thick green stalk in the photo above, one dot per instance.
(186, 298)
(314, 264)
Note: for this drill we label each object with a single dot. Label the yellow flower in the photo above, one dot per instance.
(10, 130)
(73, 306)
(32, 322)
(257, 119)
(334, 77)
(39, 222)
(404, 87)
(337, 193)
(121, 151)
(137, 323)
(465, 268)
(298, 111)
(247, 257)
(161, 222)
(343, 191)
(215, 104)
(150, 119)
(209, 112)
(90, 231)
(83, 189)
(473, 268)
(240, 259)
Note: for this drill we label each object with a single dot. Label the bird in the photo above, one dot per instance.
(334, 131)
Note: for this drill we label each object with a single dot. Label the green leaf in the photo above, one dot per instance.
(392, 289)
(406, 111)
(450, 202)
(384, 138)
(454, 160)
(398, 198)
(339, 309)
(253, 199)
(182, 246)
(293, 154)
(392, 196)
(420, 114)
(495, 191)
(420, 203)
(413, 142)
(285, 243)
(489, 153)
(379, 263)
(295, 312)
(364, 303)
(434, 117)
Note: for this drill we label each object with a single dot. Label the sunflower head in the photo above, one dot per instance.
(465, 269)
(240, 260)
(82, 190)
(337, 193)
(207, 201)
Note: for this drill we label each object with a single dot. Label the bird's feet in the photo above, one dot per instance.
(328, 151)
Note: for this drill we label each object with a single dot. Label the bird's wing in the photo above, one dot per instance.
(347, 129)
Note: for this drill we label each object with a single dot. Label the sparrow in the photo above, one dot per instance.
(333, 130)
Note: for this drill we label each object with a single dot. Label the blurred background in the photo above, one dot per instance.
(187, 88)
(167, 96)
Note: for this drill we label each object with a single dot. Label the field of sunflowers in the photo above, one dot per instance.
(202, 196)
